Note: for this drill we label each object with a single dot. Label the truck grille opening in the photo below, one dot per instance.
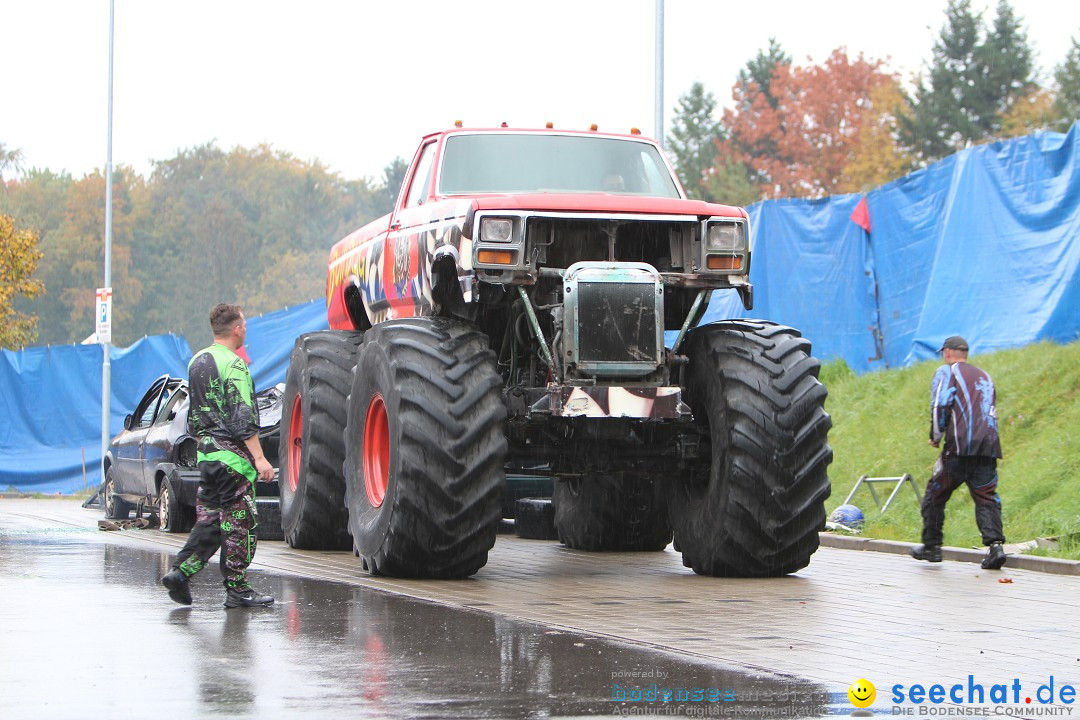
(617, 322)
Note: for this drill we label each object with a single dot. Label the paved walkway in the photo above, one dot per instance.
(849, 615)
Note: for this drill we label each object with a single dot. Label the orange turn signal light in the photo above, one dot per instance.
(724, 262)
(495, 257)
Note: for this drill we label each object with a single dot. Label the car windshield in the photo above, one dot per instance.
(525, 163)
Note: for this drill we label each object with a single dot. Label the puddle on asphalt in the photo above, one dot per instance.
(325, 647)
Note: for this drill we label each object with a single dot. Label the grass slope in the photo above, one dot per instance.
(881, 424)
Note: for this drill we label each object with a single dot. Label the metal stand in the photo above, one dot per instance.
(870, 481)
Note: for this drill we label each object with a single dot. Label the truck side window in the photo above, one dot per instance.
(421, 179)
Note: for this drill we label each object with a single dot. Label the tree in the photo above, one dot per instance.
(1035, 111)
(1067, 80)
(691, 140)
(728, 181)
(1007, 68)
(75, 260)
(756, 103)
(878, 156)
(971, 83)
(947, 107)
(813, 129)
(19, 258)
(393, 177)
(9, 160)
(252, 225)
(759, 72)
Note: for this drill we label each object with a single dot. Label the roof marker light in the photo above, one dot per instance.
(594, 127)
(634, 131)
(549, 125)
(457, 123)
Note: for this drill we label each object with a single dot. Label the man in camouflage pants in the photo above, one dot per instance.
(225, 418)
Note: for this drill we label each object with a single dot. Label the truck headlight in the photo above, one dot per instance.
(726, 237)
(497, 230)
(725, 247)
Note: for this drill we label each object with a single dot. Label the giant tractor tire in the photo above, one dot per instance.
(311, 450)
(755, 504)
(425, 449)
(617, 512)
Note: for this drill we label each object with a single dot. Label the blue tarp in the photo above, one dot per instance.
(983, 244)
(810, 270)
(50, 407)
(50, 397)
(270, 339)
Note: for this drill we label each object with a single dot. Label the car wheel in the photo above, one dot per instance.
(116, 508)
(172, 516)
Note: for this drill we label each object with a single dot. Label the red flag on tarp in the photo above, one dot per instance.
(243, 355)
(861, 214)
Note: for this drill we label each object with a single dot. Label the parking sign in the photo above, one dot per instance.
(104, 315)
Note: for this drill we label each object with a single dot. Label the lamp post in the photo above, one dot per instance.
(658, 99)
(106, 366)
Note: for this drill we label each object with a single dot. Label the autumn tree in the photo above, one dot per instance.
(756, 77)
(75, 259)
(877, 155)
(694, 131)
(19, 258)
(251, 225)
(755, 102)
(1035, 111)
(814, 127)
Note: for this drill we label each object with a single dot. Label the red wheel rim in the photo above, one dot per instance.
(376, 451)
(296, 442)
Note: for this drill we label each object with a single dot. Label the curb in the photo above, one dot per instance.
(1054, 566)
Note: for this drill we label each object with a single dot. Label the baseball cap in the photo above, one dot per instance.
(954, 342)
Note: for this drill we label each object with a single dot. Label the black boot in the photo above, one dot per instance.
(929, 553)
(177, 583)
(246, 598)
(995, 557)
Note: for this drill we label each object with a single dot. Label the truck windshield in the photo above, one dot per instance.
(524, 163)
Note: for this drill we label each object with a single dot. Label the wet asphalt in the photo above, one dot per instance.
(87, 632)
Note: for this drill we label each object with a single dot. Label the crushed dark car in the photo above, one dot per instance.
(150, 465)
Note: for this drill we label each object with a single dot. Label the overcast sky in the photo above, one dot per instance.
(355, 84)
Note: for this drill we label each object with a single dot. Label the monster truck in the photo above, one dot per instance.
(533, 301)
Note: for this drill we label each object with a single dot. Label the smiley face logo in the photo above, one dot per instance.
(861, 693)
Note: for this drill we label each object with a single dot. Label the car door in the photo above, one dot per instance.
(128, 447)
(164, 430)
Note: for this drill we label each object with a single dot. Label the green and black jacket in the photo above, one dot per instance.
(223, 409)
